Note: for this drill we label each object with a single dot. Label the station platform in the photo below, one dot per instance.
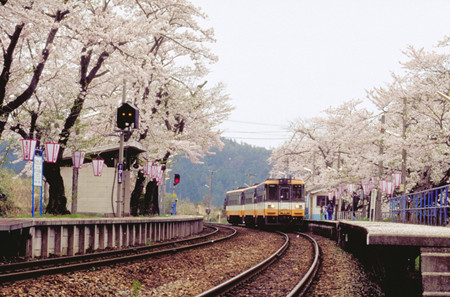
(395, 247)
(398, 234)
(44, 237)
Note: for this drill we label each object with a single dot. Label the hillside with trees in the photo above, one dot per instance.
(230, 168)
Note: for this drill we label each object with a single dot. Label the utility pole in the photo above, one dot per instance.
(380, 172)
(120, 162)
(208, 209)
(250, 178)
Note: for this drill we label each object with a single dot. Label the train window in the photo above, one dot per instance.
(272, 193)
(234, 198)
(284, 194)
(249, 196)
(298, 192)
(259, 192)
(321, 200)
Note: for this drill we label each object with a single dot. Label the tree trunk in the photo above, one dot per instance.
(151, 205)
(136, 194)
(57, 202)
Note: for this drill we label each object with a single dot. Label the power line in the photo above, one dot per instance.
(255, 132)
(258, 138)
(255, 123)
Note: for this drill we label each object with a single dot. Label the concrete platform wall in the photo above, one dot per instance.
(45, 238)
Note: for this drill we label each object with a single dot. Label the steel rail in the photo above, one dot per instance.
(244, 276)
(304, 284)
(102, 262)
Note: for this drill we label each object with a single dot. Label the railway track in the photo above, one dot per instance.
(287, 272)
(30, 269)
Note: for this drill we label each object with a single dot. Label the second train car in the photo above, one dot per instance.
(272, 202)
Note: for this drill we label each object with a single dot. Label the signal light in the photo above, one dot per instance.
(127, 114)
(176, 179)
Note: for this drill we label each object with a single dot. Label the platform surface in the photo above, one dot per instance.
(386, 233)
(10, 224)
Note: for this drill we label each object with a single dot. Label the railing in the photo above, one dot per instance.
(351, 215)
(430, 207)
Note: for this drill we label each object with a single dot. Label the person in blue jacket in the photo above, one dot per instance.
(330, 210)
(174, 207)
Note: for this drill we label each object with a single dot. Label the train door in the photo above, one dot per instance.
(284, 204)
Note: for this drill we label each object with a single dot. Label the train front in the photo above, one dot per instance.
(285, 202)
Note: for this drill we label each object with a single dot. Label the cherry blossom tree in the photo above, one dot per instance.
(409, 132)
(330, 150)
(98, 46)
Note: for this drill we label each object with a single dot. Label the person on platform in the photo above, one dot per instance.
(330, 210)
(174, 207)
(321, 212)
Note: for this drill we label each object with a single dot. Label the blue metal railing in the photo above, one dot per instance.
(430, 207)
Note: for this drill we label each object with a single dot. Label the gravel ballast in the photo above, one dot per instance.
(191, 272)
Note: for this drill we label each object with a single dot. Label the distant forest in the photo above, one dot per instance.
(231, 168)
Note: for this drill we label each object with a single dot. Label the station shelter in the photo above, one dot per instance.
(97, 195)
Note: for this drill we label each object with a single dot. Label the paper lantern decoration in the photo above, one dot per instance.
(383, 185)
(366, 189)
(374, 179)
(78, 159)
(389, 187)
(148, 168)
(330, 195)
(28, 146)
(350, 188)
(397, 179)
(155, 171)
(337, 194)
(51, 151)
(97, 166)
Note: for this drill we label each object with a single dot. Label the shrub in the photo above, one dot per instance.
(15, 194)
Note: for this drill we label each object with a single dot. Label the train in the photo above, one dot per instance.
(274, 202)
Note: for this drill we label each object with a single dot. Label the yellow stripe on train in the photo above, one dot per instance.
(270, 212)
(298, 213)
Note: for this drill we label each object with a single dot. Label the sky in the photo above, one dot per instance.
(289, 59)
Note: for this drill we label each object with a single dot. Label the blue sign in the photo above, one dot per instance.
(38, 166)
(120, 175)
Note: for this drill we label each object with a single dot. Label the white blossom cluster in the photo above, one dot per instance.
(88, 51)
(411, 127)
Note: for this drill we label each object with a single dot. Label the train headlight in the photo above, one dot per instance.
(271, 206)
(298, 206)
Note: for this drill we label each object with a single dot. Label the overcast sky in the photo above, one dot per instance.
(288, 59)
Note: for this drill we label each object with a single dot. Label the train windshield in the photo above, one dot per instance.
(284, 194)
(298, 192)
(272, 196)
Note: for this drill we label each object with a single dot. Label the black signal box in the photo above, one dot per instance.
(127, 116)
